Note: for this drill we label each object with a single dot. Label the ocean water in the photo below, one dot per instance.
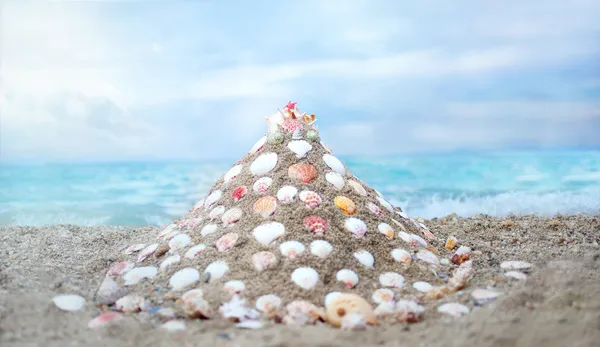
(137, 194)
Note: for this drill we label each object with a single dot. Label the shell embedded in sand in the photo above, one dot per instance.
(216, 212)
(291, 249)
(120, 268)
(104, 319)
(258, 145)
(286, 194)
(451, 243)
(348, 277)
(311, 199)
(326, 147)
(321, 248)
(428, 257)
(401, 256)
(453, 309)
(300, 148)
(265, 206)
(303, 173)
(195, 251)
(481, 296)
(69, 302)
(139, 246)
(217, 270)
(263, 260)
(212, 198)
(263, 164)
(336, 180)
(515, 265)
(391, 280)
(386, 230)
(131, 303)
(232, 173)
(234, 287)
(146, 252)
(139, 273)
(518, 275)
(262, 185)
(180, 241)
(238, 193)
(208, 229)
(365, 258)
(305, 277)
(358, 188)
(375, 209)
(226, 241)
(173, 325)
(357, 227)
(386, 204)
(334, 164)
(231, 216)
(461, 255)
(417, 241)
(170, 261)
(344, 304)
(382, 295)
(184, 278)
(409, 311)
(423, 287)
(268, 303)
(315, 224)
(345, 204)
(266, 233)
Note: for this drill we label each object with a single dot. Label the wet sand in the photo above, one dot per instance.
(558, 305)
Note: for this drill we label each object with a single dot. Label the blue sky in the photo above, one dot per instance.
(194, 79)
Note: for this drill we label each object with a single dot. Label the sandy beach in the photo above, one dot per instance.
(557, 305)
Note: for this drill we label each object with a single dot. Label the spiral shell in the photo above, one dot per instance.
(265, 206)
(346, 205)
(304, 173)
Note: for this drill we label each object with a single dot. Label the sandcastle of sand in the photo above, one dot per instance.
(288, 234)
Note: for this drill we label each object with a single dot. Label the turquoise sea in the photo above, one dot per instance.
(434, 185)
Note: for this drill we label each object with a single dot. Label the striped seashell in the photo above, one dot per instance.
(263, 260)
(232, 216)
(226, 241)
(146, 252)
(348, 277)
(357, 227)
(346, 205)
(300, 148)
(375, 209)
(290, 125)
(304, 173)
(311, 199)
(315, 224)
(291, 249)
(286, 194)
(265, 206)
(262, 185)
(238, 193)
(305, 277)
(258, 145)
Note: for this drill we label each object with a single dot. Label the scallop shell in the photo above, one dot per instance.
(375, 209)
(265, 206)
(315, 224)
(290, 125)
(184, 278)
(386, 230)
(348, 277)
(226, 241)
(262, 185)
(258, 145)
(286, 194)
(345, 304)
(263, 260)
(336, 180)
(161, 235)
(69, 302)
(391, 279)
(453, 309)
(401, 256)
(268, 304)
(297, 135)
(217, 270)
(120, 268)
(266, 233)
(382, 295)
(104, 319)
(300, 148)
(146, 252)
(357, 227)
(334, 164)
(385, 309)
(170, 261)
(346, 205)
(208, 229)
(358, 188)
(321, 248)
(263, 164)
(234, 287)
(305, 277)
(131, 303)
(365, 258)
(405, 237)
(216, 212)
(409, 311)
(212, 198)
(302, 172)
(423, 287)
(515, 265)
(326, 147)
(232, 216)
(232, 173)
(385, 204)
(311, 199)
(300, 312)
(137, 274)
(291, 249)
(428, 257)
(180, 241)
(195, 251)
(238, 193)
(518, 275)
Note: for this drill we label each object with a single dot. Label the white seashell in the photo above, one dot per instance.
(263, 260)
(109, 292)
(409, 311)
(305, 277)
(195, 251)
(234, 287)
(453, 309)
(423, 287)
(180, 241)
(515, 265)
(232, 173)
(391, 279)
(326, 147)
(357, 227)
(262, 185)
(217, 269)
(518, 275)
(365, 258)
(174, 325)
(131, 303)
(139, 273)
(167, 313)
(169, 261)
(353, 321)
(136, 248)
(166, 231)
(334, 164)
(184, 278)
(330, 297)
(287, 194)
(69, 302)
(258, 145)
(146, 252)
(428, 257)
(405, 237)
(226, 242)
(401, 256)
(268, 303)
(348, 277)
(212, 198)
(336, 180)
(417, 240)
(237, 310)
(358, 188)
(233, 215)
(250, 324)
(463, 250)
(266, 233)
(385, 309)
(216, 212)
(382, 295)
(263, 164)
(321, 248)
(481, 296)
(208, 229)
(378, 193)
(300, 148)
(291, 249)
(386, 230)
(386, 204)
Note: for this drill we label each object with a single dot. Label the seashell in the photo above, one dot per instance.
(184, 278)
(69, 302)
(375, 209)
(334, 164)
(191, 294)
(385, 309)
(302, 172)
(250, 324)
(461, 275)
(217, 270)
(234, 287)
(300, 148)
(518, 275)
(386, 230)
(167, 313)
(344, 304)
(305, 277)
(263, 164)
(315, 224)
(265, 206)
(321, 248)
(428, 257)
(139, 273)
(232, 173)
(262, 185)
(180, 241)
(286, 194)
(266, 233)
(391, 279)
(189, 223)
(405, 237)
(238, 193)
(174, 325)
(358, 188)
(137, 247)
(194, 304)
(258, 145)
(275, 138)
(423, 287)
(146, 252)
(365, 258)
(226, 242)
(346, 205)
(104, 319)
(348, 277)
(290, 125)
(268, 304)
(326, 147)
(409, 311)
(297, 134)
(198, 205)
(461, 255)
(482, 296)
(231, 216)
(401, 256)
(291, 249)
(120, 268)
(263, 260)
(353, 322)
(236, 310)
(212, 198)
(453, 309)
(451, 243)
(382, 295)
(312, 136)
(131, 303)
(310, 199)
(357, 227)
(300, 312)
(170, 261)
(208, 229)
(398, 224)
(385, 204)
(417, 241)
(162, 250)
(216, 212)
(163, 234)
(195, 251)
(515, 265)
(336, 180)
(330, 297)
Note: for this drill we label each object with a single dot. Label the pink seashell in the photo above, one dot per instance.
(290, 125)
(375, 209)
(239, 193)
(263, 260)
(119, 268)
(315, 224)
(262, 185)
(304, 173)
(226, 241)
(311, 199)
(146, 252)
(104, 319)
(232, 216)
(265, 206)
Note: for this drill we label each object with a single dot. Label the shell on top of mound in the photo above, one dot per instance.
(288, 234)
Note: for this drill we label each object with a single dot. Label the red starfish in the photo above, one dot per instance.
(291, 105)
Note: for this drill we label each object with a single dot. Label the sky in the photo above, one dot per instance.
(183, 79)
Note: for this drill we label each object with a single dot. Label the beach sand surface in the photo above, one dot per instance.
(557, 305)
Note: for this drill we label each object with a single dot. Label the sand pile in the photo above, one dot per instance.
(289, 234)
